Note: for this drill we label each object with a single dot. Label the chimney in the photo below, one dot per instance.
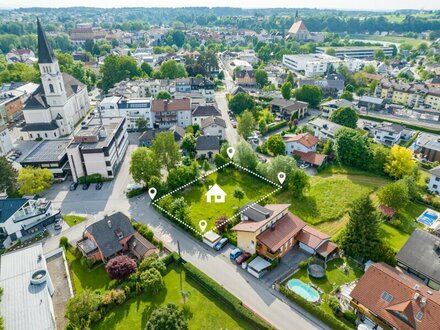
(109, 223)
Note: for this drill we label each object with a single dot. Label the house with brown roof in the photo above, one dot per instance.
(289, 108)
(271, 231)
(304, 145)
(245, 78)
(391, 299)
(167, 113)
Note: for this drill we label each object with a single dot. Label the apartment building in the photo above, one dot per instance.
(356, 52)
(311, 64)
(167, 113)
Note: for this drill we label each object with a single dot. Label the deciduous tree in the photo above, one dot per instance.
(151, 281)
(120, 267)
(83, 308)
(345, 116)
(399, 162)
(238, 193)
(33, 180)
(276, 145)
(144, 165)
(163, 95)
(395, 194)
(245, 155)
(165, 318)
(246, 124)
(310, 94)
(8, 176)
(166, 150)
(241, 102)
(286, 90)
(261, 78)
(298, 182)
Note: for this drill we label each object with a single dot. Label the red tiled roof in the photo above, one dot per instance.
(327, 248)
(285, 228)
(312, 237)
(381, 278)
(171, 105)
(311, 157)
(297, 27)
(253, 226)
(306, 139)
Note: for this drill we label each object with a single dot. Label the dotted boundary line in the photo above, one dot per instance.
(154, 202)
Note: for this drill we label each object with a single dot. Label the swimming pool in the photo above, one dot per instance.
(303, 289)
(428, 218)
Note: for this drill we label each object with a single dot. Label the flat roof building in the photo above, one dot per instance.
(356, 52)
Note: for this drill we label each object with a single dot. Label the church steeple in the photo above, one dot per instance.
(45, 53)
(296, 16)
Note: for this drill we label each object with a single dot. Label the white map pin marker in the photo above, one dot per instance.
(152, 192)
(231, 152)
(202, 225)
(281, 177)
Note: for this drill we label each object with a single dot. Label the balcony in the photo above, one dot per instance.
(272, 256)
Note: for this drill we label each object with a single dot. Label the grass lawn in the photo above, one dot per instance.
(204, 309)
(83, 278)
(229, 180)
(73, 219)
(392, 39)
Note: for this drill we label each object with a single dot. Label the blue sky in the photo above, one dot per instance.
(342, 4)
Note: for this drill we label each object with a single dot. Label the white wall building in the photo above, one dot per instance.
(214, 126)
(434, 181)
(311, 64)
(388, 133)
(5, 141)
(303, 142)
(324, 129)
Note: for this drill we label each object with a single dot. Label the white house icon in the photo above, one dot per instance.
(216, 192)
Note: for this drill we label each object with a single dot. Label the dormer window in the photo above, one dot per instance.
(387, 297)
(419, 316)
(119, 234)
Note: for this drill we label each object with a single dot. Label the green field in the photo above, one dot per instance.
(392, 39)
(229, 180)
(73, 219)
(205, 311)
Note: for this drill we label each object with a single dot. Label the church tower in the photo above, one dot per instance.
(51, 76)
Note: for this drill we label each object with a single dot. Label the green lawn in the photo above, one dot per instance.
(73, 219)
(411, 41)
(229, 180)
(204, 309)
(82, 277)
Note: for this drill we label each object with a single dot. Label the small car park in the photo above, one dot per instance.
(242, 258)
(235, 254)
(221, 244)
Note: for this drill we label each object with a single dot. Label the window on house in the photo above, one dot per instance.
(387, 297)
(30, 134)
(45, 135)
(51, 88)
(419, 316)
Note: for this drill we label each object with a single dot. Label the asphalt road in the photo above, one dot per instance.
(256, 294)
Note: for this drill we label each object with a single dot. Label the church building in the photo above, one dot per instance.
(58, 104)
(299, 32)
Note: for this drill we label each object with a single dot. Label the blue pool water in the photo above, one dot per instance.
(428, 218)
(303, 289)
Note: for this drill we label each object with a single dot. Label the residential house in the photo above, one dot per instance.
(98, 148)
(204, 86)
(428, 147)
(370, 103)
(434, 180)
(214, 126)
(419, 257)
(5, 140)
(304, 145)
(23, 218)
(207, 146)
(324, 129)
(387, 298)
(51, 155)
(272, 231)
(146, 139)
(238, 89)
(203, 112)
(330, 87)
(11, 106)
(111, 236)
(388, 133)
(246, 78)
(167, 113)
(25, 56)
(289, 108)
(36, 288)
(215, 192)
(331, 106)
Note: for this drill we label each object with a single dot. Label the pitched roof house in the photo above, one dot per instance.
(207, 146)
(393, 300)
(287, 108)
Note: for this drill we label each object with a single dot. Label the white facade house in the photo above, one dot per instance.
(248, 55)
(434, 181)
(214, 126)
(22, 217)
(311, 64)
(324, 129)
(58, 103)
(329, 107)
(98, 148)
(5, 141)
(202, 112)
(132, 109)
(303, 142)
(388, 133)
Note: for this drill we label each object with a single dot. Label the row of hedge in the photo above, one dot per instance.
(225, 296)
(315, 310)
(411, 126)
(136, 192)
(92, 178)
(271, 128)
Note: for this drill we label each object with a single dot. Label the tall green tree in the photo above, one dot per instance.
(117, 68)
(166, 150)
(261, 78)
(241, 102)
(286, 90)
(172, 70)
(246, 124)
(144, 165)
(310, 94)
(345, 116)
(8, 177)
(298, 182)
(165, 318)
(394, 194)
(245, 155)
(276, 145)
(189, 145)
(278, 164)
(33, 180)
(83, 308)
(163, 95)
(351, 148)
(146, 68)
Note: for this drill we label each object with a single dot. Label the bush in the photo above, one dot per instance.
(151, 281)
(153, 262)
(114, 296)
(144, 230)
(350, 317)
(315, 310)
(333, 303)
(169, 317)
(120, 267)
(93, 178)
(83, 308)
(64, 242)
(274, 126)
(169, 259)
(136, 192)
(226, 297)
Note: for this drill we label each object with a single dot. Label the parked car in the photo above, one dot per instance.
(235, 254)
(57, 225)
(98, 186)
(220, 244)
(85, 186)
(304, 166)
(234, 123)
(73, 186)
(242, 258)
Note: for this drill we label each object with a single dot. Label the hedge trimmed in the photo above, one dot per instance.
(328, 319)
(171, 258)
(271, 128)
(225, 296)
(414, 127)
(136, 192)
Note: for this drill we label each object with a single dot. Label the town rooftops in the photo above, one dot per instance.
(171, 105)
(243, 73)
(9, 206)
(435, 171)
(428, 141)
(390, 128)
(289, 105)
(105, 232)
(312, 237)
(256, 212)
(325, 125)
(311, 157)
(212, 120)
(337, 103)
(306, 139)
(205, 111)
(324, 83)
(284, 229)
(26, 304)
(207, 142)
(402, 301)
(372, 100)
(421, 252)
(257, 216)
(47, 151)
